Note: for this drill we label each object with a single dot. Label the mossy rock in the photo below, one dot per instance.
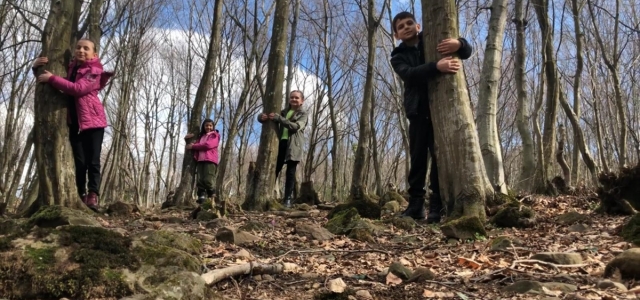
(631, 231)
(502, 243)
(163, 256)
(572, 217)
(55, 215)
(83, 262)
(390, 208)
(404, 223)
(207, 215)
(365, 206)
(253, 225)
(9, 226)
(363, 230)
(392, 196)
(500, 199)
(463, 228)
(121, 209)
(400, 270)
(275, 205)
(171, 239)
(342, 222)
(514, 215)
(626, 263)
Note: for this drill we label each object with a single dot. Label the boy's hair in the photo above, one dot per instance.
(299, 92)
(401, 16)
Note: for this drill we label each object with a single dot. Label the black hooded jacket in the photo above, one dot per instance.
(409, 63)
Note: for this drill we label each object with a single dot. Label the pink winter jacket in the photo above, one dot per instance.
(206, 149)
(90, 79)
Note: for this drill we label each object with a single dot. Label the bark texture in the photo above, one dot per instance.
(464, 184)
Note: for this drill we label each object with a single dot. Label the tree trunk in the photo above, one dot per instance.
(577, 97)
(551, 112)
(260, 187)
(566, 171)
(464, 184)
(612, 65)
(53, 152)
(292, 44)
(364, 132)
(184, 190)
(527, 171)
(22, 164)
(488, 98)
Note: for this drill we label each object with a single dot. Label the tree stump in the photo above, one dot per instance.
(308, 194)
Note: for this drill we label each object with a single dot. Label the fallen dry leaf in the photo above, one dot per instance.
(393, 279)
(439, 295)
(468, 263)
(336, 285)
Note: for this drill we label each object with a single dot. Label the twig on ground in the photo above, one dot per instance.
(554, 266)
(331, 250)
(452, 287)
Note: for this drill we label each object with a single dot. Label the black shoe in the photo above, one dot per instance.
(415, 209)
(201, 199)
(435, 209)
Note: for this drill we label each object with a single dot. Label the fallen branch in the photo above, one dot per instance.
(332, 250)
(218, 275)
(554, 266)
(297, 214)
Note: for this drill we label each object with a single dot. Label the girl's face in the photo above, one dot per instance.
(295, 100)
(208, 127)
(85, 50)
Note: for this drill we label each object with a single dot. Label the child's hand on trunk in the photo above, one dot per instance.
(448, 65)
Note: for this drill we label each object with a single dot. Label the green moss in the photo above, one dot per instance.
(342, 222)
(47, 216)
(162, 256)
(42, 258)
(274, 205)
(514, 215)
(464, 228)
(252, 225)
(206, 215)
(5, 244)
(631, 231)
(405, 223)
(364, 205)
(172, 239)
(207, 205)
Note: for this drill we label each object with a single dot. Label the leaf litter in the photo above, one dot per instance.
(463, 269)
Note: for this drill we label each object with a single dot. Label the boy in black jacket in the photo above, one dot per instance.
(409, 63)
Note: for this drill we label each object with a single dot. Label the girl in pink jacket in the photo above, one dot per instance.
(205, 152)
(86, 116)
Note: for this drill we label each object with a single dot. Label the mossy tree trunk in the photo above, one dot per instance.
(53, 152)
(464, 184)
(184, 191)
(261, 181)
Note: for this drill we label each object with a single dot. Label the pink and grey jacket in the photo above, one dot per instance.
(90, 79)
(206, 149)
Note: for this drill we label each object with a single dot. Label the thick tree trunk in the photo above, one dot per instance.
(184, 191)
(551, 112)
(361, 159)
(464, 184)
(488, 98)
(527, 171)
(260, 187)
(53, 151)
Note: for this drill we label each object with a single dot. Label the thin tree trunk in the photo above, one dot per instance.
(359, 178)
(376, 160)
(577, 96)
(463, 180)
(292, 44)
(527, 171)
(551, 112)
(11, 193)
(488, 98)
(260, 188)
(612, 65)
(566, 171)
(54, 159)
(184, 190)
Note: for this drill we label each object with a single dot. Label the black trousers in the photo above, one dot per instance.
(290, 178)
(86, 147)
(421, 141)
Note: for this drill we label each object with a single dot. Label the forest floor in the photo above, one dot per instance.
(463, 269)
